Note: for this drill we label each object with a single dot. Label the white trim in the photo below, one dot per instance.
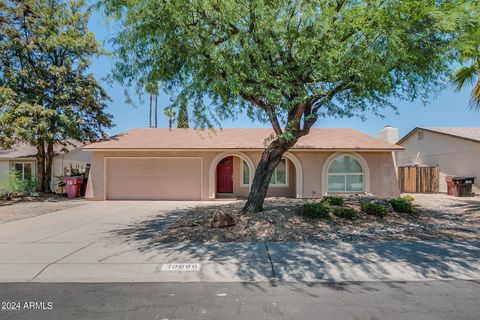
(284, 185)
(212, 172)
(33, 167)
(242, 182)
(105, 170)
(298, 173)
(365, 171)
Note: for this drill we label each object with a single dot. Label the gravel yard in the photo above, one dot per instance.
(438, 217)
(27, 207)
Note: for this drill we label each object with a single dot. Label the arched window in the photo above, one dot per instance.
(345, 174)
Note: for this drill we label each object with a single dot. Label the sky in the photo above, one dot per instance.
(448, 109)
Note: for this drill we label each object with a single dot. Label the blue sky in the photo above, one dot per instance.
(449, 109)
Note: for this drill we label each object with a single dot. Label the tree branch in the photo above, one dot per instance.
(269, 109)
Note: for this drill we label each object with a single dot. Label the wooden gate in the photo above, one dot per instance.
(419, 179)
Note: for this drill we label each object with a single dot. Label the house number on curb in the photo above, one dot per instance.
(182, 267)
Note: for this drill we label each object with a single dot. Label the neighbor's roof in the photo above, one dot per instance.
(244, 138)
(23, 150)
(472, 134)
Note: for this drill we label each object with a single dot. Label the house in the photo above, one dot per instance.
(21, 157)
(190, 164)
(455, 150)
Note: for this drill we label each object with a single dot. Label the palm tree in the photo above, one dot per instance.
(170, 113)
(468, 49)
(468, 75)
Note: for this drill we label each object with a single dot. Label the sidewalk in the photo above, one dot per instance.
(240, 262)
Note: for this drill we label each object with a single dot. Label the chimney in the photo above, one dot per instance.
(389, 134)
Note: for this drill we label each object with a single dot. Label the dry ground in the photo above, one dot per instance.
(27, 207)
(438, 217)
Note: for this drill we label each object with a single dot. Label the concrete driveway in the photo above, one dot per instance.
(50, 247)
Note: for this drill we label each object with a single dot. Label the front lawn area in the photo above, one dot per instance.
(436, 217)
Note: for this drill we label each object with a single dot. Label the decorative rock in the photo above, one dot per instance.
(221, 220)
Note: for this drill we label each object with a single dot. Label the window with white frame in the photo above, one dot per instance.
(345, 174)
(279, 176)
(245, 181)
(24, 170)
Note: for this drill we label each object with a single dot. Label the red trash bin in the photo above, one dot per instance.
(72, 186)
(451, 186)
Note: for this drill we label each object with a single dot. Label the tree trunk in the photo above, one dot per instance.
(40, 172)
(48, 167)
(271, 156)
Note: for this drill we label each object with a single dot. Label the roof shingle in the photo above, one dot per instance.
(238, 138)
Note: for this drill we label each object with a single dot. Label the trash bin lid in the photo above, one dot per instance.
(463, 178)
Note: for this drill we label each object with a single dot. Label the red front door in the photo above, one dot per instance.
(224, 175)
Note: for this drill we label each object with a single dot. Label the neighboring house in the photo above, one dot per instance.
(22, 158)
(190, 164)
(455, 150)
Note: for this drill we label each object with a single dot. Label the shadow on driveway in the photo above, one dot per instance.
(326, 261)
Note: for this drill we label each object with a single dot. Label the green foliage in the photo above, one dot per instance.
(408, 197)
(468, 47)
(287, 62)
(47, 94)
(182, 120)
(373, 209)
(345, 213)
(318, 210)
(16, 186)
(333, 200)
(402, 205)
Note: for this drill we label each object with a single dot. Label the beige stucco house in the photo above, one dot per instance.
(189, 164)
(21, 157)
(455, 150)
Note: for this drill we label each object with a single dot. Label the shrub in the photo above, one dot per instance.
(373, 209)
(334, 201)
(16, 186)
(402, 205)
(409, 197)
(320, 210)
(345, 213)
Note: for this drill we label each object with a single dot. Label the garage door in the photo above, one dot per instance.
(153, 178)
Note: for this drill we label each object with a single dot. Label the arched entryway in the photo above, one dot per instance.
(297, 184)
(220, 164)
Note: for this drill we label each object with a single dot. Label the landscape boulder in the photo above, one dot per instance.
(222, 219)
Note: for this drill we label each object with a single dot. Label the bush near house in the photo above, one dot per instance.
(345, 213)
(373, 209)
(409, 197)
(15, 186)
(318, 210)
(334, 201)
(402, 205)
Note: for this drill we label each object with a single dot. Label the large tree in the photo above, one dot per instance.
(47, 95)
(288, 62)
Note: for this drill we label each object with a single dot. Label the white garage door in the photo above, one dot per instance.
(153, 178)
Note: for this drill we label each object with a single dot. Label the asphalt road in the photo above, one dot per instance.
(454, 299)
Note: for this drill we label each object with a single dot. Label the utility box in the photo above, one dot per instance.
(459, 186)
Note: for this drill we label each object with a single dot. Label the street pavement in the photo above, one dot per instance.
(422, 300)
